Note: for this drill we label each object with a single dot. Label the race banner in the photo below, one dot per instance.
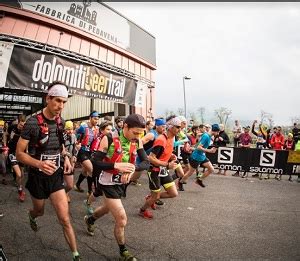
(35, 70)
(252, 160)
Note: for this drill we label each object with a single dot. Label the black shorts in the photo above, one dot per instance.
(13, 160)
(195, 164)
(113, 191)
(41, 186)
(155, 182)
(185, 157)
(83, 155)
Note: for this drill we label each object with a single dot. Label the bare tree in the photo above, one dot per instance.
(266, 117)
(295, 119)
(223, 114)
(201, 111)
(193, 116)
(180, 111)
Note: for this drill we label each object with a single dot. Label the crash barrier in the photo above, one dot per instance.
(254, 160)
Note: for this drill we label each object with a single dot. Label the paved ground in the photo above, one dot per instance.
(232, 218)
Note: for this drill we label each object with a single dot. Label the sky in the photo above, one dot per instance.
(241, 56)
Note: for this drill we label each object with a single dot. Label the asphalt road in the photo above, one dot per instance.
(232, 218)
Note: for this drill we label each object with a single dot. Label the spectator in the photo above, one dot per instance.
(221, 140)
(237, 131)
(289, 143)
(296, 133)
(244, 142)
(261, 138)
(277, 140)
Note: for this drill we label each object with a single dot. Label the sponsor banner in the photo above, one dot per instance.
(5, 55)
(35, 70)
(294, 157)
(141, 94)
(251, 160)
(99, 20)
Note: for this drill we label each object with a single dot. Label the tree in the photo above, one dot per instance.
(180, 111)
(193, 117)
(266, 117)
(223, 115)
(201, 111)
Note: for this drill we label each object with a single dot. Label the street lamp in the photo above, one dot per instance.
(185, 78)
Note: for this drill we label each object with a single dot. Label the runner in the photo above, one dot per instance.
(43, 136)
(162, 160)
(85, 136)
(3, 151)
(198, 157)
(105, 129)
(70, 145)
(118, 154)
(14, 133)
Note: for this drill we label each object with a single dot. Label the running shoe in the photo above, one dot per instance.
(146, 214)
(21, 195)
(255, 175)
(88, 209)
(158, 202)
(127, 256)
(78, 189)
(90, 228)
(76, 258)
(180, 186)
(244, 175)
(1, 214)
(200, 183)
(33, 223)
(267, 177)
(153, 206)
(135, 183)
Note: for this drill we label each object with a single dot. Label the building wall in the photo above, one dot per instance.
(24, 25)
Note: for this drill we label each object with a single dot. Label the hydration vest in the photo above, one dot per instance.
(118, 154)
(44, 130)
(85, 138)
(96, 142)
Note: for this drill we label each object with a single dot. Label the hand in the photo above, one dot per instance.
(48, 167)
(221, 139)
(213, 149)
(173, 157)
(172, 164)
(124, 167)
(67, 166)
(125, 178)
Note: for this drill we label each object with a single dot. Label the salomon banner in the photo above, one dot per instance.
(254, 160)
(35, 70)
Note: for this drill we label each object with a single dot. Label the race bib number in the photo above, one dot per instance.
(163, 172)
(12, 158)
(116, 179)
(55, 158)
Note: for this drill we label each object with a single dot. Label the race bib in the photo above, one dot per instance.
(55, 158)
(116, 179)
(163, 172)
(12, 158)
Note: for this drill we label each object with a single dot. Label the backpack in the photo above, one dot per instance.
(44, 130)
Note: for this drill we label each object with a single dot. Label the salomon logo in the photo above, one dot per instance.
(267, 158)
(225, 155)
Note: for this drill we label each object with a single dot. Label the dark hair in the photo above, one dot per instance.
(170, 117)
(135, 121)
(201, 126)
(118, 119)
(195, 128)
(148, 123)
(21, 118)
(104, 124)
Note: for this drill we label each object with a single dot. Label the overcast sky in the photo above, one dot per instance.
(242, 56)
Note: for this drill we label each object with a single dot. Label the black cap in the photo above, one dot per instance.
(135, 120)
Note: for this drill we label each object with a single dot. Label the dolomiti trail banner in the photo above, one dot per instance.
(35, 70)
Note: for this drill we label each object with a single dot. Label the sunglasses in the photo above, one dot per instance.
(178, 127)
